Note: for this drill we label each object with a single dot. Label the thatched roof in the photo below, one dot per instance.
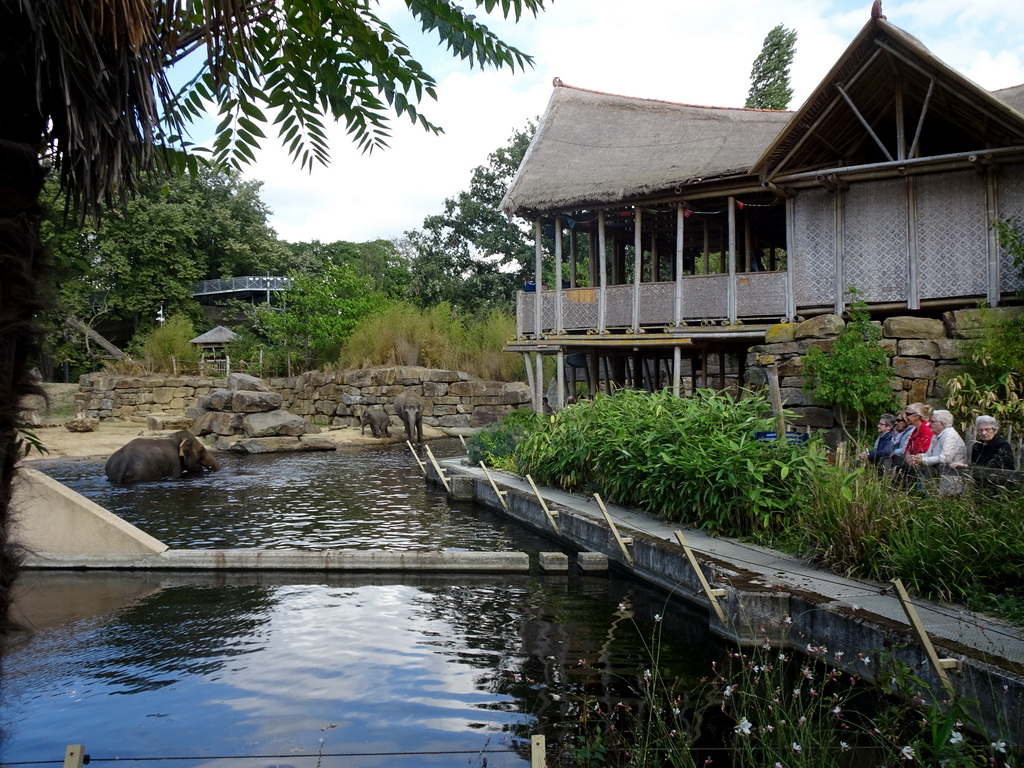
(215, 337)
(826, 133)
(595, 148)
(1012, 97)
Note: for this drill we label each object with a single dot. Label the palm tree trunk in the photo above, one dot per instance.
(21, 181)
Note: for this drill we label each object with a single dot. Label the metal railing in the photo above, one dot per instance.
(247, 284)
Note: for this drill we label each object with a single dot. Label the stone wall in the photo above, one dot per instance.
(337, 398)
(923, 352)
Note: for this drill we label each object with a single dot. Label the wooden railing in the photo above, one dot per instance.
(702, 298)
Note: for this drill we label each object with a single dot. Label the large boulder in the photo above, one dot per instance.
(253, 401)
(820, 327)
(905, 327)
(272, 423)
(243, 381)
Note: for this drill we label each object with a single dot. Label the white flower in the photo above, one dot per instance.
(743, 727)
(907, 753)
(999, 746)
(956, 738)
(795, 747)
(647, 674)
(836, 709)
(787, 619)
(728, 691)
(657, 617)
(844, 746)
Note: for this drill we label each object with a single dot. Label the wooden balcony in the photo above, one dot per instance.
(713, 299)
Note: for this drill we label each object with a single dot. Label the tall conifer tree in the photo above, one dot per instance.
(769, 77)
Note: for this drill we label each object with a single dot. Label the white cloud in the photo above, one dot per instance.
(676, 50)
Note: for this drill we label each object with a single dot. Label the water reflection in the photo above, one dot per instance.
(217, 664)
(352, 498)
(268, 664)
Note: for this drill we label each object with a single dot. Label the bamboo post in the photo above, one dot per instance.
(501, 494)
(551, 515)
(464, 446)
(776, 397)
(74, 756)
(537, 750)
(713, 594)
(941, 665)
(623, 541)
(437, 468)
(423, 467)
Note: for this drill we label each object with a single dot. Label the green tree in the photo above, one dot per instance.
(320, 312)
(380, 260)
(855, 376)
(471, 255)
(86, 84)
(769, 76)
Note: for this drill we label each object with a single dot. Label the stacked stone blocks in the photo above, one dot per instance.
(923, 353)
(335, 398)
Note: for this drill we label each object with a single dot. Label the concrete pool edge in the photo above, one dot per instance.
(772, 597)
(448, 561)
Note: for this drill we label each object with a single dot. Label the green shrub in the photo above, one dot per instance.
(694, 460)
(167, 343)
(495, 445)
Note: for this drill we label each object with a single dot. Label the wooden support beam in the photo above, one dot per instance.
(713, 594)
(623, 541)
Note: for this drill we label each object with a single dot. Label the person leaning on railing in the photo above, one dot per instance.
(947, 450)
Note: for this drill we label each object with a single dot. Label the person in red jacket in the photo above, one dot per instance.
(920, 441)
(921, 436)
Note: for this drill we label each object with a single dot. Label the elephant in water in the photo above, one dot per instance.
(409, 407)
(378, 422)
(153, 458)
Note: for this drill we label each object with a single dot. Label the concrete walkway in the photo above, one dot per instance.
(770, 596)
(777, 571)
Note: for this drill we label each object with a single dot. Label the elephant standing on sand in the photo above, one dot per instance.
(409, 407)
(378, 422)
(153, 458)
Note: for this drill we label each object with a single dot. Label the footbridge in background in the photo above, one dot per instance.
(249, 287)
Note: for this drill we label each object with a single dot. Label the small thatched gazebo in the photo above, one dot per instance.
(213, 357)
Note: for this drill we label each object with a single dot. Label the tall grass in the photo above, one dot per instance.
(949, 547)
(436, 337)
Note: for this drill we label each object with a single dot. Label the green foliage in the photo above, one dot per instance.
(166, 343)
(855, 377)
(495, 446)
(289, 63)
(693, 460)
(952, 547)
(769, 76)
(473, 256)
(437, 337)
(380, 261)
(319, 314)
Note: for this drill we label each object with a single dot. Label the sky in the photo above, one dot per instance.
(674, 50)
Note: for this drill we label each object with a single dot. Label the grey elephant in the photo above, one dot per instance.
(409, 407)
(378, 422)
(153, 458)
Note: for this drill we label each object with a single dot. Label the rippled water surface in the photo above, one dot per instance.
(352, 498)
(317, 670)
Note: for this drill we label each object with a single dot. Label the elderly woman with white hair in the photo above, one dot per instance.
(990, 448)
(947, 449)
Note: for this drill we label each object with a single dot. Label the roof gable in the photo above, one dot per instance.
(595, 148)
(215, 337)
(889, 99)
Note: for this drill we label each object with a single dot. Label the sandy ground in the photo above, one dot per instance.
(111, 435)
